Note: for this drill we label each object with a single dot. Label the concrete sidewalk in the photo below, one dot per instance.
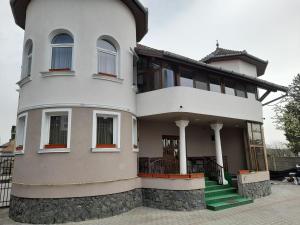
(282, 207)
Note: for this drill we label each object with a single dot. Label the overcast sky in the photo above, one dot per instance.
(268, 29)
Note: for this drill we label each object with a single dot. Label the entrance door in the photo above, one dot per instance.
(170, 153)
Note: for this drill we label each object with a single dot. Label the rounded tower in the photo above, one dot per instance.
(76, 127)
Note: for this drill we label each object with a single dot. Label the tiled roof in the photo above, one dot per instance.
(152, 52)
(222, 54)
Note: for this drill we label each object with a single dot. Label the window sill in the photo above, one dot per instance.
(135, 150)
(20, 152)
(24, 81)
(66, 73)
(54, 150)
(106, 150)
(107, 77)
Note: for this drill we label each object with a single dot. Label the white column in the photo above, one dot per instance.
(219, 156)
(182, 124)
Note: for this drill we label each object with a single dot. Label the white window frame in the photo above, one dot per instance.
(64, 45)
(45, 130)
(135, 135)
(116, 126)
(20, 152)
(116, 54)
(26, 57)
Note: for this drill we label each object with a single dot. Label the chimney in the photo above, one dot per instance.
(13, 133)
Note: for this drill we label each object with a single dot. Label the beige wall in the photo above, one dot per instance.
(78, 167)
(199, 142)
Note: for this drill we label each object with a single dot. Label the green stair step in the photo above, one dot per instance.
(228, 203)
(219, 192)
(216, 187)
(219, 198)
(210, 182)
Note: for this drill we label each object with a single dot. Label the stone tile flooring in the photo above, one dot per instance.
(281, 208)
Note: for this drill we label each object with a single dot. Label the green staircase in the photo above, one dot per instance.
(220, 197)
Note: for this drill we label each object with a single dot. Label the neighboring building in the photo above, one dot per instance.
(9, 147)
(106, 125)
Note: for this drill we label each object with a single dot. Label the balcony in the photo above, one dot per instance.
(181, 100)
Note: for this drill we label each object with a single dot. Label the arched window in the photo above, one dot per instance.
(27, 59)
(107, 57)
(62, 48)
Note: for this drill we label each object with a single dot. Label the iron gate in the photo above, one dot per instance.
(6, 166)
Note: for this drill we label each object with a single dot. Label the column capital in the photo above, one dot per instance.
(182, 123)
(216, 126)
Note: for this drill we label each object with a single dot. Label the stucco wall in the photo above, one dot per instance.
(198, 101)
(237, 66)
(87, 21)
(198, 141)
(79, 172)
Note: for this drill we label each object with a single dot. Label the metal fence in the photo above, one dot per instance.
(6, 167)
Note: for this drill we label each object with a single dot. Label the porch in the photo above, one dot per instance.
(189, 143)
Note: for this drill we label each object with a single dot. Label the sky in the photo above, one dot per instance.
(268, 29)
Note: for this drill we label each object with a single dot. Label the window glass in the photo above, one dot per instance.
(229, 87)
(27, 59)
(187, 82)
(168, 78)
(62, 48)
(62, 39)
(58, 133)
(251, 92)
(107, 57)
(106, 45)
(61, 58)
(134, 133)
(215, 84)
(186, 78)
(201, 82)
(240, 90)
(105, 130)
(20, 133)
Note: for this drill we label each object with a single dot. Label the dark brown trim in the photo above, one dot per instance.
(139, 12)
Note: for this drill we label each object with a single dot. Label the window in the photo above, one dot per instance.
(229, 87)
(255, 133)
(21, 133)
(168, 78)
(201, 82)
(240, 90)
(134, 133)
(56, 130)
(215, 84)
(106, 131)
(186, 78)
(27, 59)
(62, 51)
(107, 57)
(251, 92)
(149, 75)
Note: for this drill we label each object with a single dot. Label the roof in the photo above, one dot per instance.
(139, 12)
(222, 54)
(148, 51)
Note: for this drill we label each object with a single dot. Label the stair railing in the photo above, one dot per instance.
(213, 170)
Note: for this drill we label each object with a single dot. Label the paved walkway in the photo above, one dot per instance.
(282, 207)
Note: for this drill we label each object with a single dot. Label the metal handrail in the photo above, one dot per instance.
(214, 171)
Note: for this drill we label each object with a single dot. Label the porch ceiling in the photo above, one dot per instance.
(195, 119)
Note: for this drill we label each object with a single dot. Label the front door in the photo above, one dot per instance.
(170, 153)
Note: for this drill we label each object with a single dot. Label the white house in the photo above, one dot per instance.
(106, 125)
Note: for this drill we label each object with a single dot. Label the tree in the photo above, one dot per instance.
(288, 115)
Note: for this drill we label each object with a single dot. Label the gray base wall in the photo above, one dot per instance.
(51, 210)
(255, 190)
(174, 200)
